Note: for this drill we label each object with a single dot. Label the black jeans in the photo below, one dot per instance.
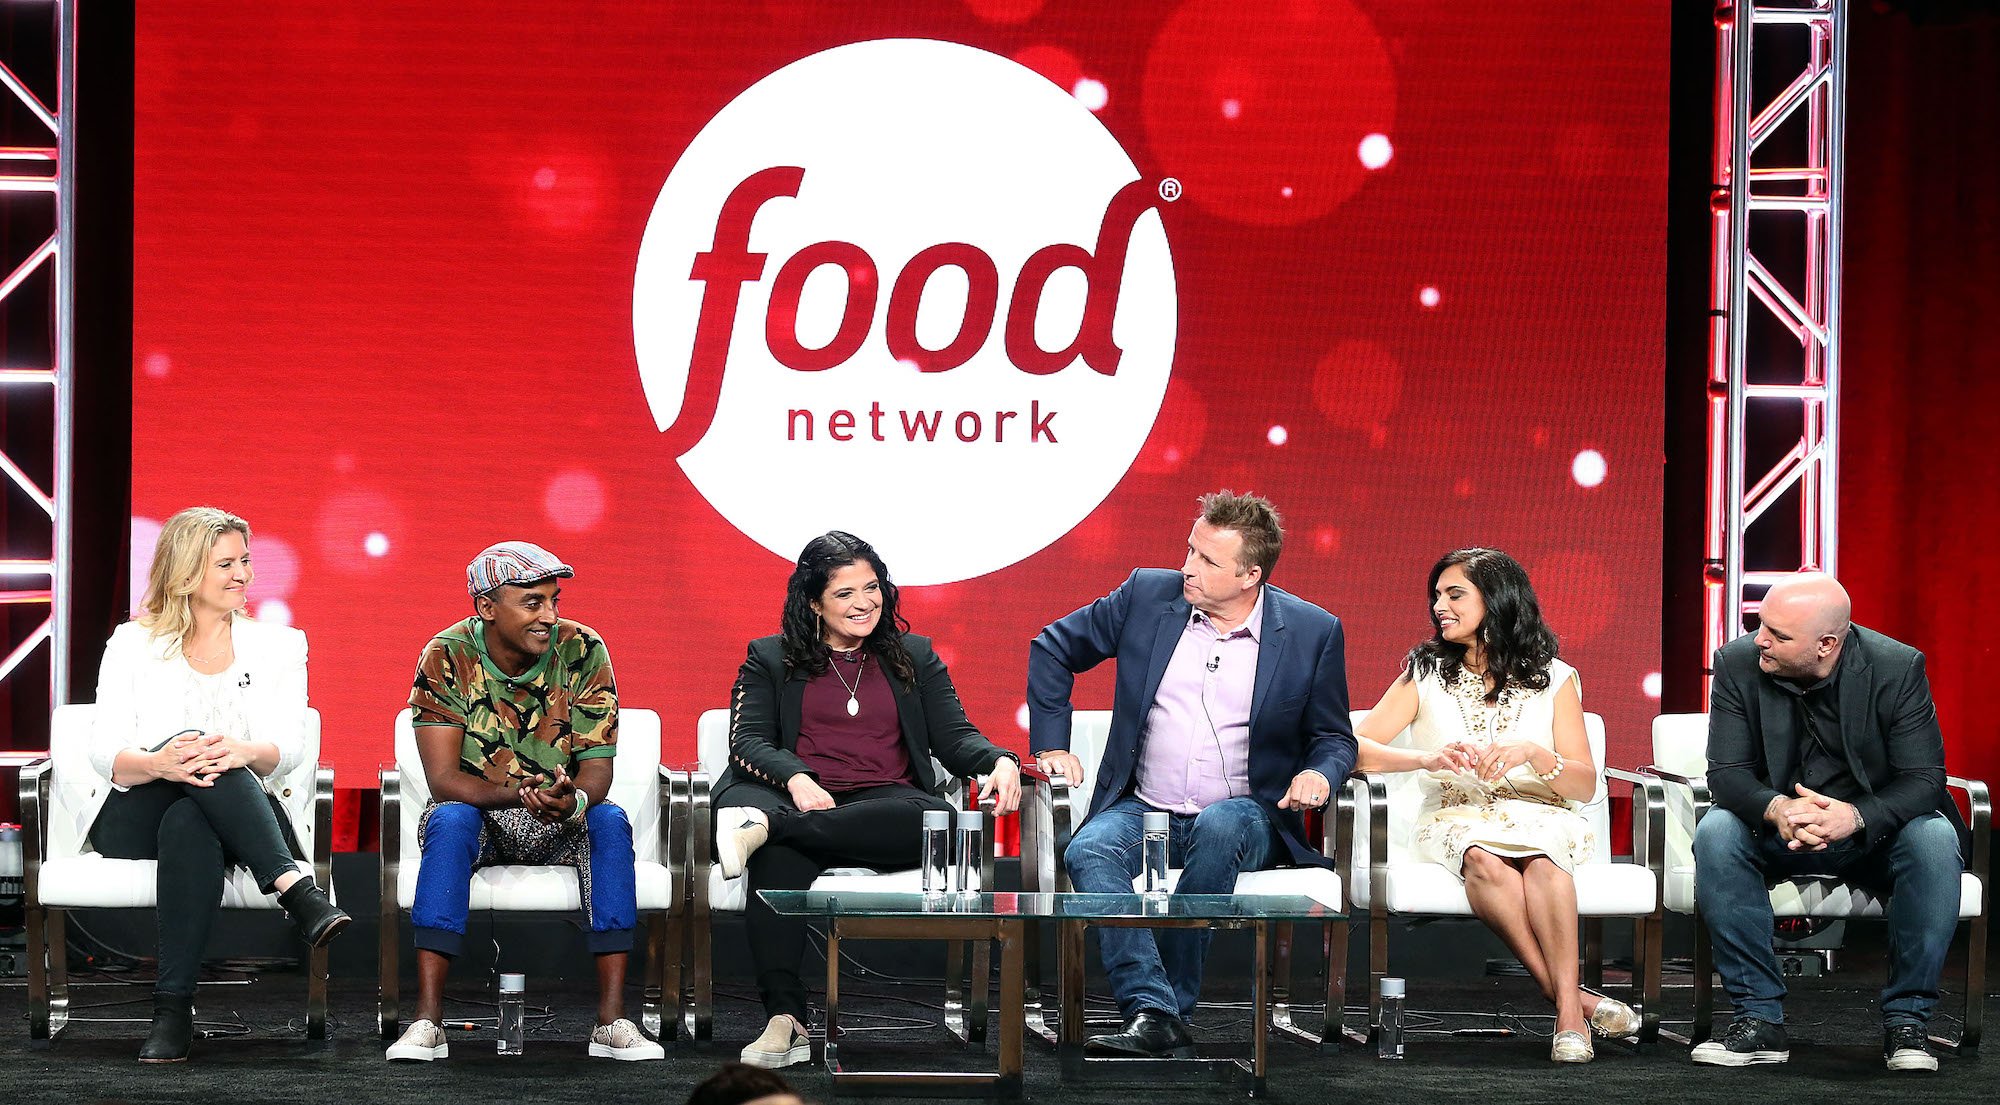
(877, 827)
(196, 834)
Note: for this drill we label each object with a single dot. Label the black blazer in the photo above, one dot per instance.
(1887, 722)
(765, 707)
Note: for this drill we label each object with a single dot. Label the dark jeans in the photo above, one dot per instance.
(196, 834)
(879, 827)
(1160, 970)
(1918, 866)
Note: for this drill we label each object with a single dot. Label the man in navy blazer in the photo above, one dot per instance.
(1230, 715)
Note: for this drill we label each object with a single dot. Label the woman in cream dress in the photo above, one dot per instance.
(1496, 730)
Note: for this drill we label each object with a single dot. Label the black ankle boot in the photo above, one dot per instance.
(173, 1029)
(319, 920)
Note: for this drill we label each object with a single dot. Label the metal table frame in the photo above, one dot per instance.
(1070, 1029)
(1005, 1081)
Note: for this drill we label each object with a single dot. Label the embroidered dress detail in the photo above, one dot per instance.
(1518, 816)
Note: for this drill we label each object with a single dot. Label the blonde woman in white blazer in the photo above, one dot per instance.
(196, 705)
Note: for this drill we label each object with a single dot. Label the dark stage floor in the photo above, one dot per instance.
(1836, 1051)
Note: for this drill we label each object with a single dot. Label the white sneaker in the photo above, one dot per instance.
(740, 830)
(783, 1044)
(621, 1039)
(422, 1042)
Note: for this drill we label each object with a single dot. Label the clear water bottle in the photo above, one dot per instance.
(1153, 854)
(937, 853)
(971, 850)
(513, 1012)
(1389, 1037)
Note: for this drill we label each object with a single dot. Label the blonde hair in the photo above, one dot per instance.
(180, 560)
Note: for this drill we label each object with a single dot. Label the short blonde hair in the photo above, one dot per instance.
(180, 559)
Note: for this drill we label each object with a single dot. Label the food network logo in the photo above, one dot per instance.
(910, 289)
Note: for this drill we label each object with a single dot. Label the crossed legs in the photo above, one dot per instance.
(1530, 904)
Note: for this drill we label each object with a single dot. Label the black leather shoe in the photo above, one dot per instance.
(172, 1032)
(319, 920)
(1148, 1035)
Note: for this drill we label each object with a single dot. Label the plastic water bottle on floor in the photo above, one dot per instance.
(513, 1012)
(1153, 854)
(936, 854)
(1389, 1038)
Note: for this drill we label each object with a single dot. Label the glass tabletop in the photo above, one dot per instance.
(910, 903)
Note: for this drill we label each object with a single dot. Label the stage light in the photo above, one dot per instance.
(1091, 93)
(1428, 296)
(1232, 108)
(1588, 468)
(158, 365)
(1375, 151)
(1650, 685)
(1021, 717)
(376, 544)
(1278, 435)
(274, 612)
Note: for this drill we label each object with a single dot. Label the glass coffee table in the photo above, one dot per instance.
(1004, 917)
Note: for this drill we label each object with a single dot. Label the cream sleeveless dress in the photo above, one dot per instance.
(1518, 816)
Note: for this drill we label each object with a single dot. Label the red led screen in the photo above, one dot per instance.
(1001, 286)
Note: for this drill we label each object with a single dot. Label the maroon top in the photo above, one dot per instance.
(865, 750)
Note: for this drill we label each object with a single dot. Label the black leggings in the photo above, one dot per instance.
(878, 827)
(196, 834)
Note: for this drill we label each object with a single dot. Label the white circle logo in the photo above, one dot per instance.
(909, 289)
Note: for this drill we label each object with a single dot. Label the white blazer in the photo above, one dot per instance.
(141, 687)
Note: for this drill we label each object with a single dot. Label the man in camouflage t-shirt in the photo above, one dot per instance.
(516, 717)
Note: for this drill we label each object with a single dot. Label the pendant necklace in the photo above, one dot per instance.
(854, 692)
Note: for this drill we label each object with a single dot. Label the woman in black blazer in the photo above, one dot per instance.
(832, 727)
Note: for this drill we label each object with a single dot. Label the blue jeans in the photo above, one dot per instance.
(1918, 866)
(1160, 969)
(458, 839)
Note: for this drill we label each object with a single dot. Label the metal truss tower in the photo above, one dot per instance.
(1774, 348)
(37, 194)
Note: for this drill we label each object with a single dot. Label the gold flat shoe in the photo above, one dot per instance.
(1572, 1047)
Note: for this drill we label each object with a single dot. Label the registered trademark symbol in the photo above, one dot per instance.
(1170, 189)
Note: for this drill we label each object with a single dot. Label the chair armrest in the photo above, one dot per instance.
(1649, 823)
(34, 795)
(1659, 772)
(322, 849)
(699, 833)
(1045, 818)
(676, 799)
(389, 838)
(1375, 786)
(1979, 827)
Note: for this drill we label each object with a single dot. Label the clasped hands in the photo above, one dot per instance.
(198, 758)
(1811, 821)
(550, 798)
(1489, 763)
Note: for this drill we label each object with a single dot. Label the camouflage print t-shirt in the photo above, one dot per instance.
(562, 710)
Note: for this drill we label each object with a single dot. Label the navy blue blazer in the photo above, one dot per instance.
(1298, 707)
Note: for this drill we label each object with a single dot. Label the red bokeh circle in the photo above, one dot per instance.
(1305, 83)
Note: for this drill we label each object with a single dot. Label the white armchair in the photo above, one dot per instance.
(62, 871)
(1053, 809)
(652, 796)
(1680, 760)
(1388, 880)
(710, 893)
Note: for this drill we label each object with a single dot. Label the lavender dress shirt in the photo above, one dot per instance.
(1196, 750)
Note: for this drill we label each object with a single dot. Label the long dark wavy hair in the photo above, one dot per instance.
(1518, 644)
(805, 650)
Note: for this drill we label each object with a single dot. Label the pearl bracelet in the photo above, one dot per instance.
(1550, 776)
